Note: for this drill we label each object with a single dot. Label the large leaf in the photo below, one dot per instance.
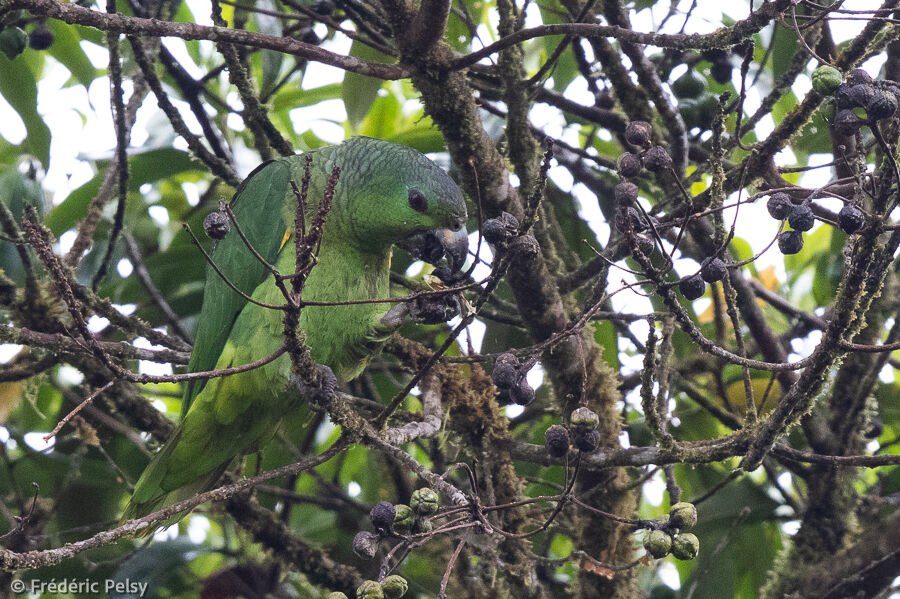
(19, 88)
(146, 167)
(359, 91)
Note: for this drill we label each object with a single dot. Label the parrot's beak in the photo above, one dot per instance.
(435, 244)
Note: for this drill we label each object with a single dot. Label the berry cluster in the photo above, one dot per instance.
(712, 269)
(392, 587)
(670, 538)
(509, 377)
(389, 520)
(14, 40)
(858, 92)
(582, 432)
(696, 103)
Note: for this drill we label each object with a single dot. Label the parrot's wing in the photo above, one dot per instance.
(258, 207)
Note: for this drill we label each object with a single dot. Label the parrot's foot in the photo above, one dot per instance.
(434, 309)
(320, 389)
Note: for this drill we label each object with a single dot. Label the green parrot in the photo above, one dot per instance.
(387, 195)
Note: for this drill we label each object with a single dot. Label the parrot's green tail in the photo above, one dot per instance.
(149, 495)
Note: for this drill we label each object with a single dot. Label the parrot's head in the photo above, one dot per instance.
(409, 201)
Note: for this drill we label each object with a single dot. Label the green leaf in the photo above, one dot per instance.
(67, 50)
(271, 60)
(295, 98)
(18, 87)
(359, 91)
(144, 167)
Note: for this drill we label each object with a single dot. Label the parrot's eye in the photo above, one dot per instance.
(417, 200)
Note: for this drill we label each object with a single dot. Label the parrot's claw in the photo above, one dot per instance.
(434, 309)
(320, 389)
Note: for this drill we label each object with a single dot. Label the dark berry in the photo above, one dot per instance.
(498, 231)
(637, 133)
(382, 515)
(657, 159)
(521, 393)
(801, 218)
(692, 287)
(506, 371)
(323, 7)
(556, 440)
(714, 270)
(779, 206)
(308, 35)
(588, 442)
(847, 123)
(859, 77)
(851, 219)
(721, 71)
(842, 96)
(41, 37)
(216, 225)
(603, 99)
(883, 105)
(626, 193)
(714, 54)
(790, 242)
(629, 165)
(861, 95)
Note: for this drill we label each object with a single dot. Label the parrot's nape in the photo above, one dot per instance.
(386, 195)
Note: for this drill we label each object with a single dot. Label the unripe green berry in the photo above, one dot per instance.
(658, 543)
(685, 546)
(689, 85)
(394, 586)
(584, 420)
(13, 41)
(425, 501)
(826, 79)
(369, 589)
(336, 595)
(683, 515)
(404, 518)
